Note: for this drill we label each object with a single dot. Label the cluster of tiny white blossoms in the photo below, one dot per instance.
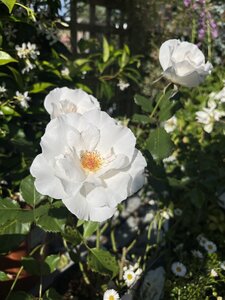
(209, 115)
(131, 274)
(219, 96)
(45, 28)
(170, 125)
(208, 245)
(88, 160)
(123, 85)
(22, 99)
(179, 269)
(28, 52)
(65, 72)
(197, 254)
(3, 90)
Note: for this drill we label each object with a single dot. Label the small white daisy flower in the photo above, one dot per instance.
(111, 295)
(129, 277)
(201, 240)
(222, 265)
(213, 273)
(178, 212)
(23, 99)
(123, 85)
(179, 269)
(210, 247)
(197, 254)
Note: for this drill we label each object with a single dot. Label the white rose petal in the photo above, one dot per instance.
(64, 100)
(90, 162)
(183, 63)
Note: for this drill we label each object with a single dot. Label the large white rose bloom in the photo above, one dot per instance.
(183, 63)
(90, 162)
(64, 100)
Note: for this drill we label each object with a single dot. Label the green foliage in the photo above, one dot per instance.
(145, 103)
(89, 228)
(10, 4)
(103, 262)
(20, 296)
(106, 50)
(28, 191)
(3, 276)
(5, 58)
(159, 144)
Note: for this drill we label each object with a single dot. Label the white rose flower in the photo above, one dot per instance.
(64, 100)
(183, 63)
(90, 162)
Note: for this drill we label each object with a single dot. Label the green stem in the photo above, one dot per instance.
(19, 272)
(84, 273)
(98, 234)
(209, 41)
(41, 277)
(14, 282)
(81, 266)
(103, 229)
(113, 241)
(159, 229)
(122, 261)
(159, 101)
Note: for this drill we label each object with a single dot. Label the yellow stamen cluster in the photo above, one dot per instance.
(91, 161)
(129, 276)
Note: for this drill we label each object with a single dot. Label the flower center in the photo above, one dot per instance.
(129, 276)
(178, 269)
(91, 161)
(111, 297)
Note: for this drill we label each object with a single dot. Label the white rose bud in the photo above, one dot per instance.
(183, 63)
